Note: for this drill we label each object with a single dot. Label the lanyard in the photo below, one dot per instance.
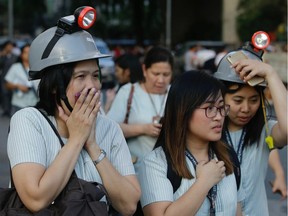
(213, 191)
(269, 138)
(158, 113)
(240, 145)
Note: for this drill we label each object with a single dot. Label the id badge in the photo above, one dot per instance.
(156, 119)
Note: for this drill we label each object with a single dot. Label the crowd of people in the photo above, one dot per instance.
(208, 129)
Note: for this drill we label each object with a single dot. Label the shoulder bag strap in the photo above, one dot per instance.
(52, 126)
(129, 102)
(55, 131)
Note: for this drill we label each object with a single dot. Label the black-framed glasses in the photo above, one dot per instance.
(211, 111)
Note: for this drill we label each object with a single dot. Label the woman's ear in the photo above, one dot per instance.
(127, 72)
(144, 70)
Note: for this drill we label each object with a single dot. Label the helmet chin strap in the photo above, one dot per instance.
(65, 99)
(62, 90)
(100, 74)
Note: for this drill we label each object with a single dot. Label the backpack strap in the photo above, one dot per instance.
(172, 175)
(129, 102)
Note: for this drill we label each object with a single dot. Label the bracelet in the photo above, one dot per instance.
(100, 158)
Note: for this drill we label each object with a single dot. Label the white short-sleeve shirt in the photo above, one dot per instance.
(31, 139)
(18, 75)
(141, 112)
(253, 173)
(155, 186)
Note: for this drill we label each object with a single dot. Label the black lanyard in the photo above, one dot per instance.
(240, 145)
(213, 191)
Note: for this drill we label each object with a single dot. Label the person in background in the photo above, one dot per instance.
(278, 185)
(190, 141)
(7, 58)
(139, 117)
(247, 128)
(24, 91)
(94, 146)
(190, 58)
(128, 69)
(210, 66)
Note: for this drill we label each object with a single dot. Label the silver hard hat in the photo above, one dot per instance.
(226, 73)
(74, 47)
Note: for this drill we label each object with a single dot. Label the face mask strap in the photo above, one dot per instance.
(62, 90)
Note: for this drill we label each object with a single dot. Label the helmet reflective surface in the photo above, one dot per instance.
(226, 73)
(74, 47)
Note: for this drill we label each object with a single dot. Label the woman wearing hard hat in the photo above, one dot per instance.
(65, 58)
(247, 128)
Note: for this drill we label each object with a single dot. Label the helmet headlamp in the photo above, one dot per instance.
(83, 18)
(260, 40)
(253, 49)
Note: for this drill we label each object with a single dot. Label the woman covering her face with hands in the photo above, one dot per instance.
(94, 146)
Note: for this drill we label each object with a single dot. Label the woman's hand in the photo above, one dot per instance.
(212, 172)
(82, 118)
(23, 88)
(279, 186)
(91, 140)
(248, 68)
(152, 129)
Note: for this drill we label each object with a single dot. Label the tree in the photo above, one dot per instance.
(26, 16)
(264, 15)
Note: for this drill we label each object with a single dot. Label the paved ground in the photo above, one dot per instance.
(277, 207)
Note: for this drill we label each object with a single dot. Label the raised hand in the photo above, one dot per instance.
(248, 68)
(82, 118)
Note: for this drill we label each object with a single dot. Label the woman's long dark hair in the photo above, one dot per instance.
(19, 59)
(53, 85)
(255, 125)
(187, 92)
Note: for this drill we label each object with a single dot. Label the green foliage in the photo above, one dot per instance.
(264, 15)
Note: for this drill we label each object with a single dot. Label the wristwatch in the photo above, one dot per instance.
(100, 158)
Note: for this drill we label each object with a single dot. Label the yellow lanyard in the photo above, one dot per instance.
(268, 139)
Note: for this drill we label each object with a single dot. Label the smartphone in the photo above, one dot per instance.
(239, 55)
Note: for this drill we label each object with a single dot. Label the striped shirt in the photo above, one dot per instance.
(253, 173)
(156, 186)
(31, 139)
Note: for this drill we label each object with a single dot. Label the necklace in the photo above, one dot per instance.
(157, 117)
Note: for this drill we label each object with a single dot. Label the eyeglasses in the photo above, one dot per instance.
(211, 111)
